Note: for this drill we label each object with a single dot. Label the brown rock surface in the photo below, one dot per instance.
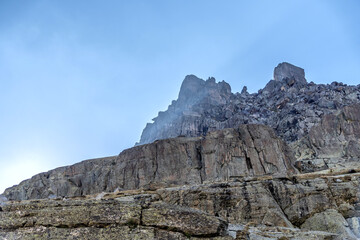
(331, 143)
(251, 208)
(189, 221)
(116, 216)
(272, 201)
(336, 136)
(249, 150)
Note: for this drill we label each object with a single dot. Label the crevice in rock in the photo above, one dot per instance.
(281, 148)
(270, 187)
(155, 163)
(330, 190)
(248, 162)
(123, 178)
(141, 215)
(201, 164)
(247, 208)
(255, 148)
(137, 182)
(259, 158)
(106, 181)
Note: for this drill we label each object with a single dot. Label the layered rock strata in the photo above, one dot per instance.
(264, 207)
(249, 150)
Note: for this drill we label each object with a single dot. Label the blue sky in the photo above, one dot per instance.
(80, 79)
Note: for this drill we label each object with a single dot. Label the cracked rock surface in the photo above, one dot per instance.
(248, 209)
(249, 150)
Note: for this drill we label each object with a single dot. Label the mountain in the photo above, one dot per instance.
(283, 163)
(288, 104)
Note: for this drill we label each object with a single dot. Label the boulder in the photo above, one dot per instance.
(330, 221)
(289, 73)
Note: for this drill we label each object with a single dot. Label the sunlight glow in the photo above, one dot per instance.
(23, 167)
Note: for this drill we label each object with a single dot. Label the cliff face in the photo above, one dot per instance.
(331, 143)
(322, 205)
(182, 117)
(279, 164)
(250, 150)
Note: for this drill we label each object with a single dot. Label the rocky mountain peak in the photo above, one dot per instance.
(190, 87)
(194, 89)
(286, 71)
(286, 76)
(287, 103)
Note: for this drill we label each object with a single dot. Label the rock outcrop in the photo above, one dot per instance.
(290, 73)
(264, 207)
(193, 91)
(122, 217)
(334, 141)
(283, 163)
(288, 104)
(250, 150)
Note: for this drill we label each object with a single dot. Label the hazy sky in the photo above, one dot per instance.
(80, 79)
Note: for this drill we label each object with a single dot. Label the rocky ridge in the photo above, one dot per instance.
(250, 150)
(288, 104)
(290, 169)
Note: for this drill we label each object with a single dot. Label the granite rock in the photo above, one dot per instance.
(330, 221)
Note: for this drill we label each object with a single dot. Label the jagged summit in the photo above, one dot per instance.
(288, 103)
(285, 71)
(286, 76)
(194, 89)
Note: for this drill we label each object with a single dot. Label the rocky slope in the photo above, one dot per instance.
(279, 164)
(288, 104)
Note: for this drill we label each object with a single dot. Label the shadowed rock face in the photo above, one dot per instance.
(332, 142)
(193, 91)
(336, 136)
(249, 150)
(288, 104)
(286, 71)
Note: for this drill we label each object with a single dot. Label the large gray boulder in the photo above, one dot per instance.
(330, 221)
(286, 71)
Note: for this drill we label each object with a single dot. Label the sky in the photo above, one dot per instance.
(80, 79)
